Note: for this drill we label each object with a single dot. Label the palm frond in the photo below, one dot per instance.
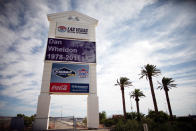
(123, 82)
(117, 83)
(136, 93)
(160, 85)
(167, 83)
(143, 73)
(149, 71)
(173, 85)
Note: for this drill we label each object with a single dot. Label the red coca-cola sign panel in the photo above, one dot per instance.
(59, 87)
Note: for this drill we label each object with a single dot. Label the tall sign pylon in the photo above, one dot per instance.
(69, 65)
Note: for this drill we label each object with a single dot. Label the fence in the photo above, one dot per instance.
(12, 123)
(18, 123)
(66, 123)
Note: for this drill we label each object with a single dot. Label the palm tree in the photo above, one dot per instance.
(149, 71)
(167, 83)
(137, 94)
(124, 82)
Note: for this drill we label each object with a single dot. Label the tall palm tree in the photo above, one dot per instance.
(137, 93)
(167, 83)
(150, 71)
(124, 82)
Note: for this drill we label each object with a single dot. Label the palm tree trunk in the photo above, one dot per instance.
(153, 94)
(168, 103)
(137, 105)
(138, 109)
(123, 101)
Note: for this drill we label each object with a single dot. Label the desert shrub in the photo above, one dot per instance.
(133, 125)
(186, 126)
(129, 125)
(134, 116)
(102, 117)
(84, 120)
(113, 121)
(170, 125)
(184, 119)
(158, 117)
(27, 120)
(109, 122)
(119, 126)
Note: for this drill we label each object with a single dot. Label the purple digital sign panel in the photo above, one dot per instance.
(70, 50)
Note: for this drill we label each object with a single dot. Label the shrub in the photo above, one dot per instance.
(84, 120)
(27, 120)
(109, 122)
(129, 125)
(102, 117)
(170, 125)
(119, 126)
(134, 116)
(185, 119)
(158, 117)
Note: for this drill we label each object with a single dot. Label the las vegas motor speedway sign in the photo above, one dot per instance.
(69, 65)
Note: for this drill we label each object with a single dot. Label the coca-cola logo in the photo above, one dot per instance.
(59, 88)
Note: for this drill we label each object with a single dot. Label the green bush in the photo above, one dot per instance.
(155, 121)
(185, 119)
(27, 120)
(109, 122)
(129, 125)
(158, 117)
(119, 126)
(134, 116)
(102, 117)
(170, 126)
(84, 120)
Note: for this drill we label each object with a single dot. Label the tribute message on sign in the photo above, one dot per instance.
(69, 78)
(70, 50)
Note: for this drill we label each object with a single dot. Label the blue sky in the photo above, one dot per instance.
(129, 35)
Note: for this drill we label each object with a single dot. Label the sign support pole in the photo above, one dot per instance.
(92, 112)
(42, 116)
(92, 100)
(43, 106)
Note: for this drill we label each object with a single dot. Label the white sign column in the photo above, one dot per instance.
(43, 105)
(92, 101)
(69, 25)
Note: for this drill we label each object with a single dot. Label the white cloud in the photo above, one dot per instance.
(126, 60)
(123, 47)
(22, 52)
(2, 104)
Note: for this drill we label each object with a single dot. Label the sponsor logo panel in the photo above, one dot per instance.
(61, 28)
(79, 88)
(59, 87)
(69, 29)
(83, 73)
(64, 72)
(69, 78)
